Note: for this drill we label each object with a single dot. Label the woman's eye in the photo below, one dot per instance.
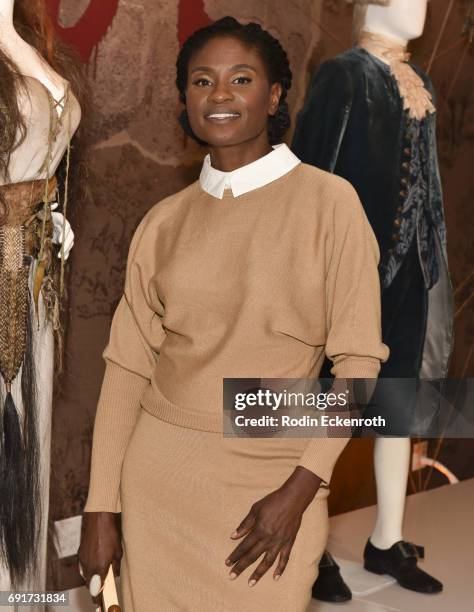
(242, 80)
(202, 82)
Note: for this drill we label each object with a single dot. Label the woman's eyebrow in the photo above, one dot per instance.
(201, 69)
(231, 69)
(243, 66)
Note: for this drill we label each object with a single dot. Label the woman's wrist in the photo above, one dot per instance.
(303, 484)
(102, 518)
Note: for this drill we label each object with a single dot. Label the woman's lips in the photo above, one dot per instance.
(222, 117)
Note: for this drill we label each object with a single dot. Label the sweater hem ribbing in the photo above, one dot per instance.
(154, 402)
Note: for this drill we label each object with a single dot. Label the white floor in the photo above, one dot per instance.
(442, 520)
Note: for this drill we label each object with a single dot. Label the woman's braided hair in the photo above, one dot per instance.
(270, 50)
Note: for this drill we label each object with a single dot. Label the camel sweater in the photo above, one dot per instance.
(262, 285)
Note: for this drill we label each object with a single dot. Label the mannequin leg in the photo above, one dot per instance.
(386, 552)
(404, 313)
(391, 463)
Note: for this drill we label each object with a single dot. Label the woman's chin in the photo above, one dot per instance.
(222, 137)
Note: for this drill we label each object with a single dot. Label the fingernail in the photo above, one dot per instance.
(252, 582)
(234, 534)
(95, 585)
(228, 562)
(233, 575)
(277, 577)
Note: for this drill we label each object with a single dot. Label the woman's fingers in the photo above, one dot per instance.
(92, 580)
(94, 577)
(81, 570)
(88, 571)
(250, 557)
(264, 565)
(247, 544)
(283, 560)
(116, 567)
(255, 551)
(97, 601)
(245, 526)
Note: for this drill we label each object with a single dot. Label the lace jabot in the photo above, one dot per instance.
(416, 98)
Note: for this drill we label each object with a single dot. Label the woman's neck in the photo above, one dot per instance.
(229, 158)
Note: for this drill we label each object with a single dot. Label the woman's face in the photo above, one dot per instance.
(228, 94)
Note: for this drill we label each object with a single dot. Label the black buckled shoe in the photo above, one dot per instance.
(400, 561)
(329, 585)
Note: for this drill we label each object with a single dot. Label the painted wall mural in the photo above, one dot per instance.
(90, 27)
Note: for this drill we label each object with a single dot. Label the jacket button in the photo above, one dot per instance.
(404, 182)
(403, 193)
(407, 151)
(395, 237)
(397, 222)
(406, 166)
(399, 209)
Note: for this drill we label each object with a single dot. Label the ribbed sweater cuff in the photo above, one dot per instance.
(356, 367)
(117, 413)
(321, 454)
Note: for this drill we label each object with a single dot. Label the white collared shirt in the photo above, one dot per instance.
(262, 171)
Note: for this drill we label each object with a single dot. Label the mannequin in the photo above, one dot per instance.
(403, 20)
(26, 58)
(387, 150)
(39, 115)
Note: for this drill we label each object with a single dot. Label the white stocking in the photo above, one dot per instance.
(391, 463)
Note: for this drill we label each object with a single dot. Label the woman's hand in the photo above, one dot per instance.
(271, 526)
(100, 545)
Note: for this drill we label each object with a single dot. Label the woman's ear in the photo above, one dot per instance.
(275, 95)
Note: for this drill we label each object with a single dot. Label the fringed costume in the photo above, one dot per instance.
(31, 279)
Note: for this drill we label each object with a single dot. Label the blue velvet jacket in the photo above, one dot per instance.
(353, 124)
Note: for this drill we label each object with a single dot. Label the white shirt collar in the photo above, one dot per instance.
(262, 171)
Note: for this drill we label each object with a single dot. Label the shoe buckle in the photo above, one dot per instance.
(408, 550)
(327, 560)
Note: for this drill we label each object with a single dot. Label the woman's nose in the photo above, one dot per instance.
(221, 93)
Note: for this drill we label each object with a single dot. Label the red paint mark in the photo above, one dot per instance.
(91, 27)
(191, 17)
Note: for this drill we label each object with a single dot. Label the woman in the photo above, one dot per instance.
(257, 269)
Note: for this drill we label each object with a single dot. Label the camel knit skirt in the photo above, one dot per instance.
(183, 493)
